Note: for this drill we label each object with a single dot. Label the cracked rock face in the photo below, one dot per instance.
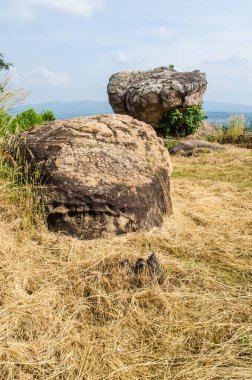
(105, 174)
(146, 95)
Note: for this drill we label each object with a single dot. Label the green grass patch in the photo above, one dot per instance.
(218, 167)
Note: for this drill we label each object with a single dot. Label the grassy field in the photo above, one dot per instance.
(68, 310)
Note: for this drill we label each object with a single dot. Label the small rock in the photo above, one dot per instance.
(154, 265)
(139, 266)
(188, 147)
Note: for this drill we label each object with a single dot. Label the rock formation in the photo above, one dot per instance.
(146, 95)
(189, 147)
(105, 174)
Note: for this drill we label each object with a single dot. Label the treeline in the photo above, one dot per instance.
(23, 121)
(8, 99)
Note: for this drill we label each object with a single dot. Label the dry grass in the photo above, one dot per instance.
(69, 311)
(10, 96)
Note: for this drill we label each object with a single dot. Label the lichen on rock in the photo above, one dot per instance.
(147, 95)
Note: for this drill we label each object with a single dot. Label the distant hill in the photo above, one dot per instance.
(222, 117)
(64, 110)
(219, 113)
(226, 107)
(216, 112)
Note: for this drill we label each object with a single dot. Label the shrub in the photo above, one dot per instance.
(182, 122)
(22, 121)
(217, 136)
(235, 128)
(22, 184)
(48, 115)
(23, 187)
(232, 133)
(210, 137)
(9, 96)
(30, 117)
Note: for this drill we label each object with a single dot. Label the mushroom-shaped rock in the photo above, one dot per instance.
(104, 174)
(147, 95)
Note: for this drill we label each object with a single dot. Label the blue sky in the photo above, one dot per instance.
(67, 49)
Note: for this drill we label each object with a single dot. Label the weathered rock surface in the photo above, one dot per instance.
(105, 174)
(146, 95)
(188, 147)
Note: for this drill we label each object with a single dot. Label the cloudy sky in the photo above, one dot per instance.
(67, 49)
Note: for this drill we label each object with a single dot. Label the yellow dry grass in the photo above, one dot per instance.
(69, 311)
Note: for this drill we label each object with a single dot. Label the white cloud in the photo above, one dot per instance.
(235, 68)
(121, 59)
(16, 10)
(165, 32)
(44, 76)
(54, 78)
(26, 10)
(230, 60)
(14, 75)
(83, 8)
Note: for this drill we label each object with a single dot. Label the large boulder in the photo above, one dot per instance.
(146, 95)
(105, 174)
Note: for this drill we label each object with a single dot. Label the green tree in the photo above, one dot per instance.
(3, 66)
(23, 121)
(48, 115)
(30, 117)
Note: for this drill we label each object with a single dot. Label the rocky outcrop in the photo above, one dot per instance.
(105, 174)
(189, 147)
(146, 95)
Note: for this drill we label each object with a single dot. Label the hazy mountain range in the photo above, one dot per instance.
(226, 107)
(64, 110)
(216, 111)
